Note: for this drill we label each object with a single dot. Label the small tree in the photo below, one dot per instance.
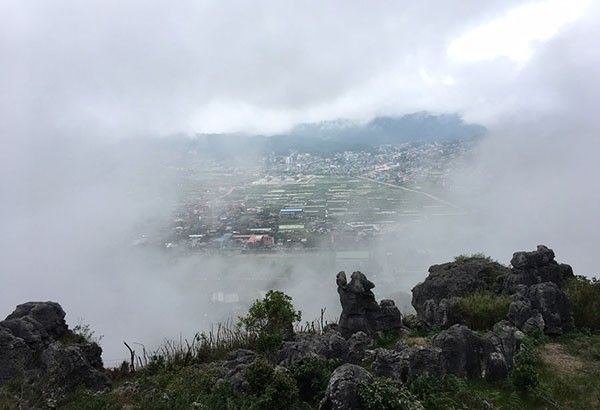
(271, 319)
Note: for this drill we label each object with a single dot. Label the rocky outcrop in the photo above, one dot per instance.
(534, 283)
(467, 354)
(360, 311)
(530, 268)
(233, 368)
(435, 299)
(342, 390)
(407, 363)
(457, 350)
(464, 352)
(39, 351)
(543, 306)
(328, 345)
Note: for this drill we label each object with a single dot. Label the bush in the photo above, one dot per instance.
(280, 393)
(272, 388)
(384, 394)
(259, 374)
(481, 310)
(312, 375)
(271, 319)
(524, 375)
(585, 296)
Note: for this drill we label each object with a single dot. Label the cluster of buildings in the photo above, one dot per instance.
(409, 164)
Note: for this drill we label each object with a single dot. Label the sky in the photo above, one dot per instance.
(111, 69)
(77, 79)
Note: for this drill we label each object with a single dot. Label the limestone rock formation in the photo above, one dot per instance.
(39, 351)
(530, 268)
(329, 345)
(436, 297)
(233, 368)
(543, 306)
(360, 311)
(342, 390)
(534, 282)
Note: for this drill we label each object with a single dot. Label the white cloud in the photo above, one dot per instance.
(515, 34)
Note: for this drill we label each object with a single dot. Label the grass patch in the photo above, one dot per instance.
(481, 310)
(465, 258)
(586, 346)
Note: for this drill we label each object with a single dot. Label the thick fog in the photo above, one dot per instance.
(91, 92)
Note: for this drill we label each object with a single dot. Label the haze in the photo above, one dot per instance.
(91, 93)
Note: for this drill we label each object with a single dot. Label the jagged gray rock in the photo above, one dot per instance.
(387, 363)
(360, 311)
(505, 338)
(530, 268)
(419, 360)
(464, 352)
(435, 299)
(542, 306)
(329, 345)
(496, 368)
(36, 345)
(342, 390)
(234, 366)
(357, 345)
(534, 283)
(413, 322)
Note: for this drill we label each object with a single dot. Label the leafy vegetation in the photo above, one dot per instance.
(585, 346)
(271, 319)
(272, 388)
(585, 296)
(524, 375)
(464, 257)
(312, 375)
(81, 333)
(385, 394)
(482, 310)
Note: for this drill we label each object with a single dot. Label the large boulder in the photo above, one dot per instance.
(543, 306)
(421, 360)
(467, 354)
(342, 390)
(67, 367)
(38, 350)
(329, 345)
(530, 268)
(360, 311)
(435, 299)
(464, 352)
(405, 364)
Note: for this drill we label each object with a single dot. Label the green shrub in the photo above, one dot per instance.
(481, 310)
(259, 374)
(280, 393)
(385, 394)
(272, 388)
(271, 319)
(585, 296)
(388, 340)
(524, 375)
(312, 376)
